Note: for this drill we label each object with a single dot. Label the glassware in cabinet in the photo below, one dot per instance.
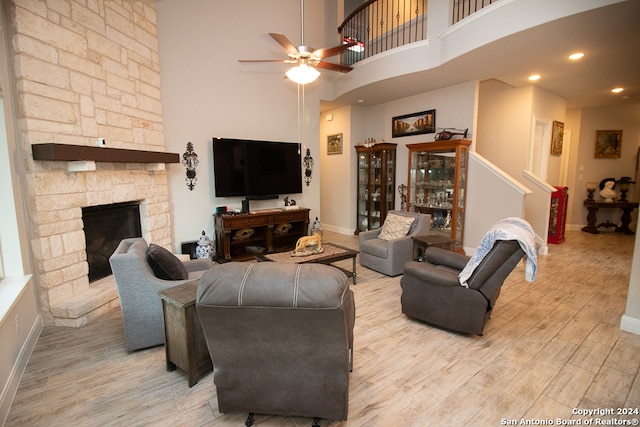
(376, 183)
(437, 184)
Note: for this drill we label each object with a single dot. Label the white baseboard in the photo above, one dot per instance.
(337, 229)
(630, 324)
(11, 386)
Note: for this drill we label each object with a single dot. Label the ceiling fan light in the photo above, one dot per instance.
(302, 74)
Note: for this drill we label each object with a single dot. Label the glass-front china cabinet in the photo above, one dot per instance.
(376, 183)
(437, 183)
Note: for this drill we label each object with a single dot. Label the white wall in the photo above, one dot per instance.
(504, 126)
(631, 319)
(454, 107)
(588, 168)
(335, 180)
(491, 195)
(20, 321)
(207, 93)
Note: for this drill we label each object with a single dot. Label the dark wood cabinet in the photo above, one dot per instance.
(376, 184)
(437, 185)
(276, 230)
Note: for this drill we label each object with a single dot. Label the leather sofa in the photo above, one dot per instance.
(280, 337)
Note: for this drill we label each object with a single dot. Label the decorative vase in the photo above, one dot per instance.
(316, 227)
(204, 249)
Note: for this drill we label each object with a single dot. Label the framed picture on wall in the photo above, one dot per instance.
(334, 144)
(414, 124)
(557, 135)
(608, 144)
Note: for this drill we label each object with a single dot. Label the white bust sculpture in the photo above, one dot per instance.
(608, 193)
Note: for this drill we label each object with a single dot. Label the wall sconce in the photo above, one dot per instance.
(190, 161)
(308, 165)
(402, 189)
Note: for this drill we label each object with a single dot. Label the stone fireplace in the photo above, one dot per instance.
(58, 238)
(84, 72)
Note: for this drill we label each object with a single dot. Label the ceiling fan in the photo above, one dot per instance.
(304, 57)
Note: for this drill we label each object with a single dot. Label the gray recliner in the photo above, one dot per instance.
(431, 290)
(280, 337)
(138, 289)
(389, 256)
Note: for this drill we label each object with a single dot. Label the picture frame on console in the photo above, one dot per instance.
(414, 124)
(608, 144)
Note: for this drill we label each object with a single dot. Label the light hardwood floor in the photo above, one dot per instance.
(550, 346)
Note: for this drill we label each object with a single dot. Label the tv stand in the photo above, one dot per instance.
(277, 230)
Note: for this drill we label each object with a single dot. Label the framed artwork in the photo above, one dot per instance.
(414, 124)
(556, 137)
(608, 144)
(334, 144)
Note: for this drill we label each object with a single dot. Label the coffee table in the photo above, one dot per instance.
(332, 253)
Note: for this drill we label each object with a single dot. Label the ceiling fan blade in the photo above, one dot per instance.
(333, 67)
(285, 43)
(332, 51)
(263, 60)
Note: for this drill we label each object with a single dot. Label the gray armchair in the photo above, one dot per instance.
(138, 287)
(431, 290)
(389, 256)
(280, 336)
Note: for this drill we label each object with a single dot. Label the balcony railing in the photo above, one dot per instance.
(464, 8)
(380, 25)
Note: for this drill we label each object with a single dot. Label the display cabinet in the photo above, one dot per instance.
(437, 185)
(376, 184)
(558, 215)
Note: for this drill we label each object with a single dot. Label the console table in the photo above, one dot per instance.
(593, 206)
(277, 230)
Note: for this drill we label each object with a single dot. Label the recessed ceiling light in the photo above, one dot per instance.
(576, 56)
(617, 89)
(534, 77)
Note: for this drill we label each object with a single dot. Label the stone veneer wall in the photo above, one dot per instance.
(83, 70)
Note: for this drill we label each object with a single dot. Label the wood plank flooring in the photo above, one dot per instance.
(551, 346)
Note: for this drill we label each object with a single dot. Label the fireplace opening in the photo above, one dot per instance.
(104, 227)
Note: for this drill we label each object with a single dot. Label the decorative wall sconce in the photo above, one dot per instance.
(190, 161)
(308, 165)
(402, 189)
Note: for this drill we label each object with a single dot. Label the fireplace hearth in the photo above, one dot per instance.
(104, 227)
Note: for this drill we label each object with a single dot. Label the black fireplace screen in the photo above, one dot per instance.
(104, 227)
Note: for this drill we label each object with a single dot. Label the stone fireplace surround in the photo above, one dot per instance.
(57, 236)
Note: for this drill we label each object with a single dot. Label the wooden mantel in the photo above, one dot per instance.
(72, 153)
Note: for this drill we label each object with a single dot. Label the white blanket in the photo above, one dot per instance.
(512, 228)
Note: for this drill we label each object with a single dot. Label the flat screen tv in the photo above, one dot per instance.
(256, 169)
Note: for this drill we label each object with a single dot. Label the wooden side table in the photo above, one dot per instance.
(185, 345)
(421, 243)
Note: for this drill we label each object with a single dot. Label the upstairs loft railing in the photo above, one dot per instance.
(380, 25)
(464, 8)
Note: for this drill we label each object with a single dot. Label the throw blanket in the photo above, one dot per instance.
(506, 229)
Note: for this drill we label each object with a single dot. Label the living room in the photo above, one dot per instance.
(206, 93)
